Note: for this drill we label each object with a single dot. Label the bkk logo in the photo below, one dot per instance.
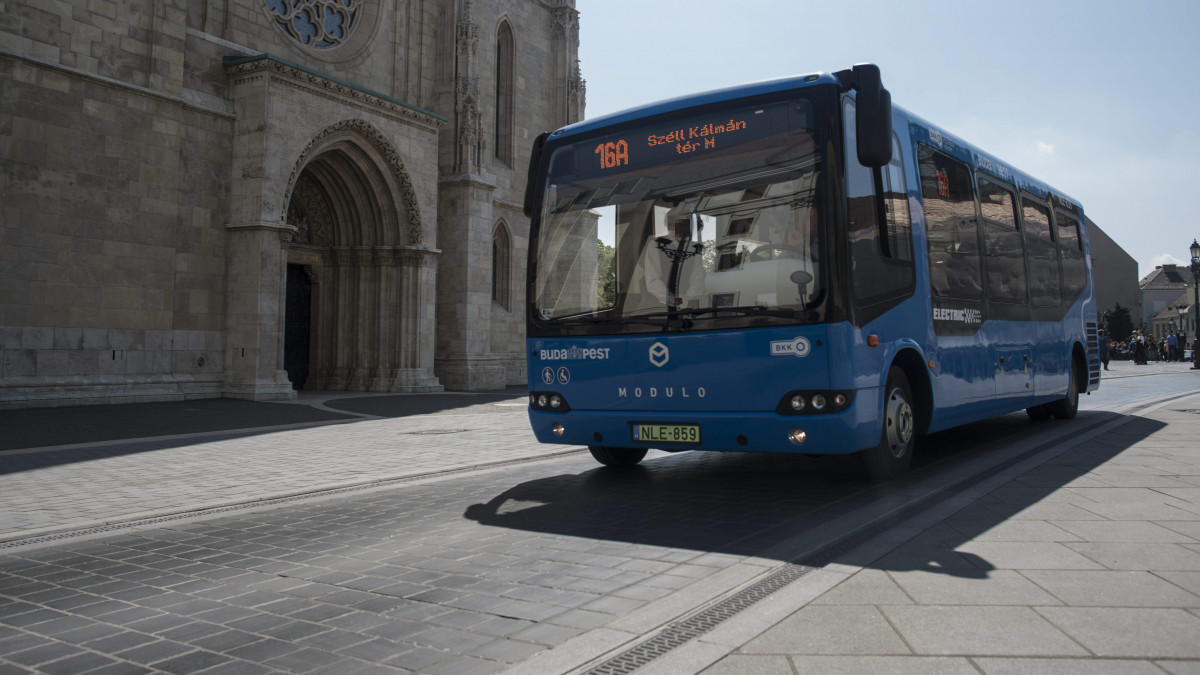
(798, 347)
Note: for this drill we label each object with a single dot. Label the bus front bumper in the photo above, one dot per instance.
(851, 430)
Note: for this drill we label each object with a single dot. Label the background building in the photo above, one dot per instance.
(1115, 274)
(1168, 302)
(1163, 291)
(205, 198)
(1177, 319)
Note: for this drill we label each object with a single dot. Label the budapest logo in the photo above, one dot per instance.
(659, 355)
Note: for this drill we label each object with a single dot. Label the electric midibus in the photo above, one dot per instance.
(795, 266)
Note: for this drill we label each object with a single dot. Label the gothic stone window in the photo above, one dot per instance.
(504, 94)
(501, 267)
(317, 24)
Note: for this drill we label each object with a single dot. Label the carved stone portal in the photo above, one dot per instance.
(372, 279)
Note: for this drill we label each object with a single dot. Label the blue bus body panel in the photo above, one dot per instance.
(730, 382)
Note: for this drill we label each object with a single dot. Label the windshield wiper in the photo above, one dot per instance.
(748, 310)
(646, 319)
(664, 318)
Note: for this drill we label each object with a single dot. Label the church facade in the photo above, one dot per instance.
(240, 198)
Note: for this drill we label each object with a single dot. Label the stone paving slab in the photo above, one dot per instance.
(1094, 575)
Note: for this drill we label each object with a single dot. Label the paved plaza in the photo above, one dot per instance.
(430, 533)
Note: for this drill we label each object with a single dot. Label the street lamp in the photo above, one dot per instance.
(1195, 250)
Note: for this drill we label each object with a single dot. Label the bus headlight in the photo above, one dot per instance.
(559, 430)
(815, 402)
(548, 401)
(797, 436)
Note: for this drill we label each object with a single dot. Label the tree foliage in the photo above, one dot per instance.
(606, 290)
(1117, 323)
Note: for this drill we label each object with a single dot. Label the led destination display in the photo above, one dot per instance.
(679, 138)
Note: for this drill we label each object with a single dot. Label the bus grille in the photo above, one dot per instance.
(1093, 350)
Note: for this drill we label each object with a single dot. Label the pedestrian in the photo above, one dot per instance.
(1139, 348)
(1102, 341)
(1172, 347)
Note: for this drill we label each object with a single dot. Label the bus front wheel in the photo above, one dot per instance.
(890, 459)
(617, 456)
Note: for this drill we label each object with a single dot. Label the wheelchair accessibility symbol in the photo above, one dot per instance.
(564, 375)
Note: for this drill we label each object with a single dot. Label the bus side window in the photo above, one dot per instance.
(950, 225)
(878, 225)
(1074, 269)
(1043, 254)
(1004, 252)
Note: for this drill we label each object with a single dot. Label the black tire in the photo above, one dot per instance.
(1038, 412)
(617, 456)
(1065, 408)
(890, 459)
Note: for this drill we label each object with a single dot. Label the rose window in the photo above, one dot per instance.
(320, 24)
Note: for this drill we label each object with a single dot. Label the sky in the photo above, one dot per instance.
(1100, 99)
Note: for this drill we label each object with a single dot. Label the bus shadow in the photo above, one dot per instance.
(746, 504)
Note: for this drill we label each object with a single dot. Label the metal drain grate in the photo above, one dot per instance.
(696, 625)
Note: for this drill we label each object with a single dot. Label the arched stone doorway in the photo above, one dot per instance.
(358, 240)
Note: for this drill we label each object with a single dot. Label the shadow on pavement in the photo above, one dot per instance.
(744, 503)
(76, 425)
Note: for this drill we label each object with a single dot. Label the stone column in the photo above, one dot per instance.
(255, 282)
(464, 361)
(416, 321)
(343, 310)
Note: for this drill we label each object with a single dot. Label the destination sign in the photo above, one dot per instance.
(683, 137)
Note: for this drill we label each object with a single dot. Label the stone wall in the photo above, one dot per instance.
(143, 198)
(111, 262)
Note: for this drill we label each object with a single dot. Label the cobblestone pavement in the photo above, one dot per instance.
(312, 445)
(442, 539)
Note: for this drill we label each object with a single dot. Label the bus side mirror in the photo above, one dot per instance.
(873, 127)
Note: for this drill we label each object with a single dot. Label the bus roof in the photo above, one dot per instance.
(699, 99)
(940, 139)
(951, 143)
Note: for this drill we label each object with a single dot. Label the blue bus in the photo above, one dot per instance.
(795, 266)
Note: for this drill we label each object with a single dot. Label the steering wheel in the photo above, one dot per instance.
(776, 251)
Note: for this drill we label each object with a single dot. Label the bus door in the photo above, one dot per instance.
(1007, 326)
(964, 353)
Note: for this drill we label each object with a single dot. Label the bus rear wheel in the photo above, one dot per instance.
(890, 459)
(1065, 408)
(617, 456)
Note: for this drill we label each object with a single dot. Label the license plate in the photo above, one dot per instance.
(688, 434)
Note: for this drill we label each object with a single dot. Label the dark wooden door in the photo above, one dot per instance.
(297, 323)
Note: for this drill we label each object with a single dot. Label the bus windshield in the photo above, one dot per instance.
(700, 220)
